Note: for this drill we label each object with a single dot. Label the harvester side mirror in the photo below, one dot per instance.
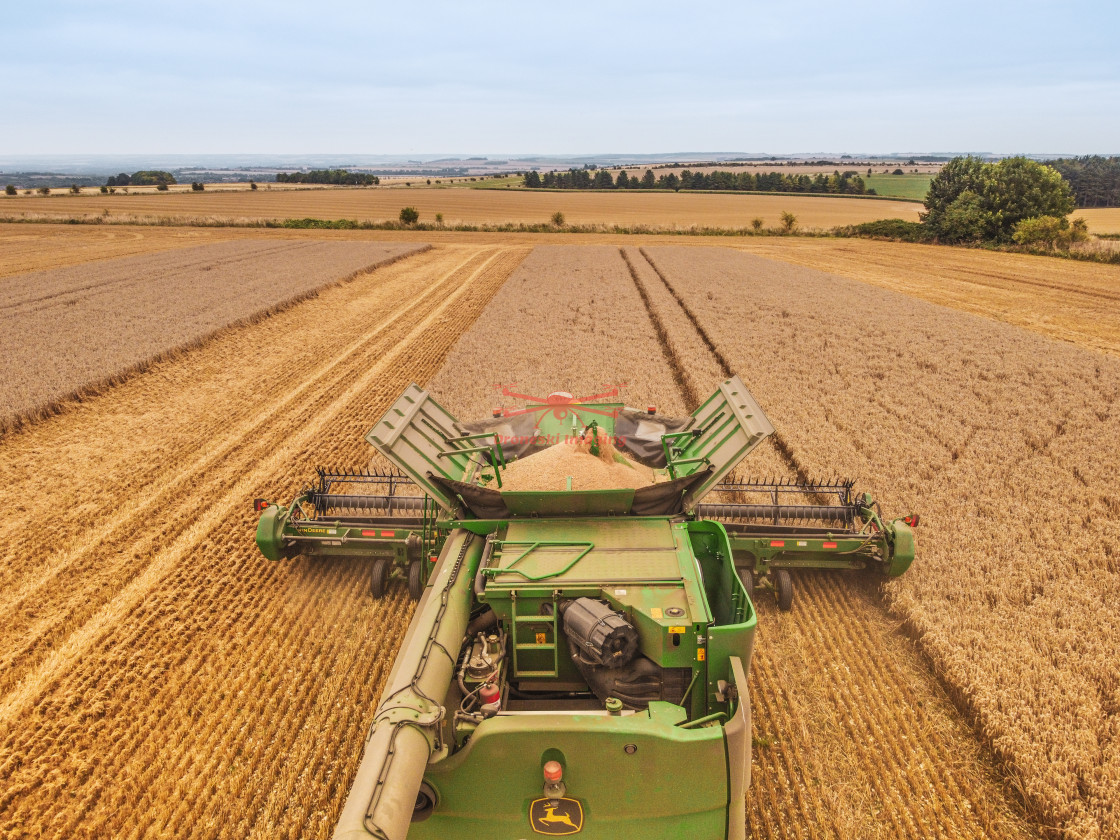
(912, 520)
(260, 504)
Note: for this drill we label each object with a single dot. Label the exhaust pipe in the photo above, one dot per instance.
(406, 728)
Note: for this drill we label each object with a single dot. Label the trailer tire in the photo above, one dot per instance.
(414, 547)
(783, 590)
(746, 575)
(415, 579)
(379, 576)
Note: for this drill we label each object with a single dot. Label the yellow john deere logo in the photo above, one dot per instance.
(556, 816)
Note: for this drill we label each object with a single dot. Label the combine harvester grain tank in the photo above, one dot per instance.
(577, 661)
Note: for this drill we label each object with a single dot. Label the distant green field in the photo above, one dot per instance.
(495, 183)
(899, 186)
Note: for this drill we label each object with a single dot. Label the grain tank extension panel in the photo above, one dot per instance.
(724, 429)
(422, 438)
(425, 441)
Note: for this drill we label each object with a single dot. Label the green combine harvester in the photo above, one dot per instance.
(577, 661)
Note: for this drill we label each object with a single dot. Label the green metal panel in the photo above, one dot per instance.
(556, 422)
(725, 428)
(270, 532)
(419, 436)
(902, 548)
(673, 784)
(569, 503)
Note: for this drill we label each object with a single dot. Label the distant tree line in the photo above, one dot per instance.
(841, 183)
(145, 177)
(1095, 180)
(328, 176)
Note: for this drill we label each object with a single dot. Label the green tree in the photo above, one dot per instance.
(558, 219)
(44, 190)
(623, 180)
(962, 220)
(10, 189)
(75, 189)
(532, 179)
(149, 177)
(648, 181)
(409, 215)
(1019, 188)
(962, 174)
(789, 222)
(971, 200)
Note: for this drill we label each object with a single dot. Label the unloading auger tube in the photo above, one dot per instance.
(405, 732)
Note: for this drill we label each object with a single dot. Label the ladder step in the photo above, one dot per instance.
(533, 646)
(532, 619)
(537, 673)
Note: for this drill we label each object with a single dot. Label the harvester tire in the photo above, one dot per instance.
(783, 590)
(379, 576)
(746, 575)
(415, 580)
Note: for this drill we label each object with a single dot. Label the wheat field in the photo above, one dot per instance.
(459, 206)
(67, 332)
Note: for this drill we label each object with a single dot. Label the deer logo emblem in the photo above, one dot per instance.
(556, 816)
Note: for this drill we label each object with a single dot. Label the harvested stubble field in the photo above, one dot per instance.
(1101, 219)
(40, 247)
(673, 210)
(67, 332)
(853, 737)
(1005, 442)
(159, 677)
(1069, 300)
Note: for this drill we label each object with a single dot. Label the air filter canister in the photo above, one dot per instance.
(602, 636)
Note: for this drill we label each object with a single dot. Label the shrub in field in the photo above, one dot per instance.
(1050, 232)
(104, 190)
(75, 189)
(9, 190)
(161, 187)
(789, 222)
(439, 219)
(252, 185)
(756, 224)
(557, 219)
(44, 190)
(197, 186)
(898, 229)
(409, 215)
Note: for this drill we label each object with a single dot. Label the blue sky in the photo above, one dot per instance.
(558, 78)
